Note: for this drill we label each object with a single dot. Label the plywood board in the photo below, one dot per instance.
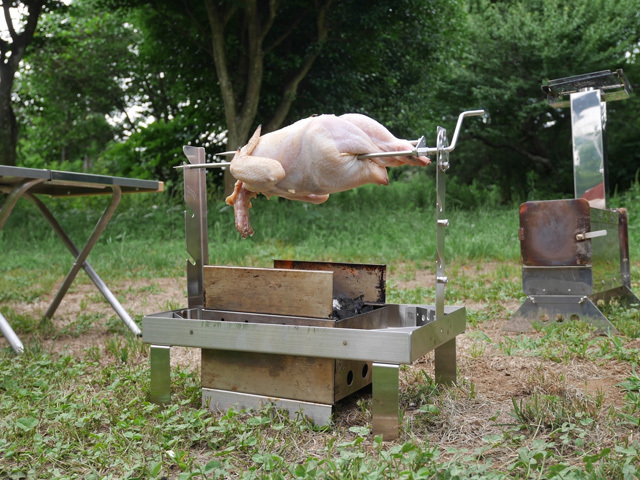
(269, 290)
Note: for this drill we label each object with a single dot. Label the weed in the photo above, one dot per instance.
(551, 412)
(421, 389)
(82, 324)
(631, 386)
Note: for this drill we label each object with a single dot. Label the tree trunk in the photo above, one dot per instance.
(10, 55)
(8, 124)
(241, 107)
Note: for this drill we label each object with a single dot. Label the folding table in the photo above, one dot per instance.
(18, 182)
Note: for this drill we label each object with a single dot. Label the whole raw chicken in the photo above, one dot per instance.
(311, 159)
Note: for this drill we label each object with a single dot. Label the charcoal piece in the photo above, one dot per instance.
(345, 307)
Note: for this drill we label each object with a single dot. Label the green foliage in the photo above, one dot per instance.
(382, 63)
(631, 387)
(152, 153)
(71, 86)
(509, 50)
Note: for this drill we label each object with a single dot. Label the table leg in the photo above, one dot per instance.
(11, 336)
(386, 401)
(160, 360)
(14, 196)
(113, 301)
(80, 259)
(7, 207)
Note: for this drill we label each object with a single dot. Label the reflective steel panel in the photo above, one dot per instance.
(588, 118)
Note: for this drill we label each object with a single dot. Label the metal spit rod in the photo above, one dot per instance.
(419, 150)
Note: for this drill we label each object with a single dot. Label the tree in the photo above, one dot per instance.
(264, 52)
(21, 19)
(72, 94)
(511, 48)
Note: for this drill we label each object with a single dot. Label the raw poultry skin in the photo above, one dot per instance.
(311, 159)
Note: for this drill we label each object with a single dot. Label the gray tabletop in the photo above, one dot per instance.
(59, 183)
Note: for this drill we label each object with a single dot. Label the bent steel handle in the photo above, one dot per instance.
(456, 132)
(426, 151)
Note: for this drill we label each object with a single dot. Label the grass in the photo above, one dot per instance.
(84, 412)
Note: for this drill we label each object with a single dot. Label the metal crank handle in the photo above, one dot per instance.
(419, 151)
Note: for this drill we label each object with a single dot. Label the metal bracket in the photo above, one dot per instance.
(425, 316)
(614, 86)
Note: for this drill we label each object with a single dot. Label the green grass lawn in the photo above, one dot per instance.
(84, 413)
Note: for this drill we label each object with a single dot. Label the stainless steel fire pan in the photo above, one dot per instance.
(397, 337)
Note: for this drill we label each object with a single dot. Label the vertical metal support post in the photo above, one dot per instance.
(623, 236)
(442, 164)
(80, 259)
(195, 219)
(386, 401)
(160, 387)
(445, 355)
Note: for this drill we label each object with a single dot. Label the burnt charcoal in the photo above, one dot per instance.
(345, 307)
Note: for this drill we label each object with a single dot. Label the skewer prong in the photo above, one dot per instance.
(203, 165)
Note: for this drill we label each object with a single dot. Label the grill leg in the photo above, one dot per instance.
(386, 401)
(445, 363)
(160, 389)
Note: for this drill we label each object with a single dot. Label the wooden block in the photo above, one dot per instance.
(349, 279)
(319, 380)
(269, 290)
(350, 376)
(283, 376)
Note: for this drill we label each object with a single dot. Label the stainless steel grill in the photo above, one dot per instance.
(282, 343)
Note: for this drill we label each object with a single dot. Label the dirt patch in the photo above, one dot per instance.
(85, 320)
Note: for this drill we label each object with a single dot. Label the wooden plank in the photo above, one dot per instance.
(269, 290)
(283, 376)
(320, 380)
(349, 279)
